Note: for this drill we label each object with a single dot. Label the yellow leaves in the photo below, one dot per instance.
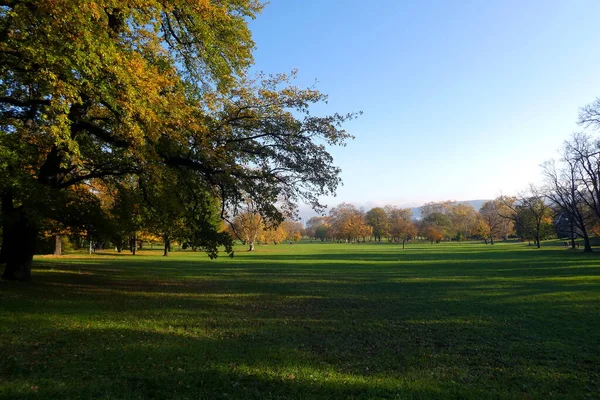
(482, 229)
(95, 10)
(349, 223)
(547, 219)
(432, 233)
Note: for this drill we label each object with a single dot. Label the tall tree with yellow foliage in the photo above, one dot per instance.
(106, 88)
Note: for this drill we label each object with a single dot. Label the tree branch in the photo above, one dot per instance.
(101, 134)
(24, 103)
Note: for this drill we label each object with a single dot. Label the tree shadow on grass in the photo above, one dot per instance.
(261, 327)
(289, 363)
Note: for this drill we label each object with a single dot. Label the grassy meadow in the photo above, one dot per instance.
(306, 321)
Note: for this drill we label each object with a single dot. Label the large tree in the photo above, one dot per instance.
(531, 214)
(569, 195)
(404, 230)
(496, 218)
(397, 219)
(349, 223)
(105, 89)
(247, 226)
(377, 218)
(464, 220)
(583, 152)
(314, 224)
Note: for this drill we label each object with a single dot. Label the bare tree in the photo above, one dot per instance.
(564, 192)
(584, 153)
(589, 116)
(531, 214)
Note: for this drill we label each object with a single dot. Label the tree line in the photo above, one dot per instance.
(565, 204)
(447, 220)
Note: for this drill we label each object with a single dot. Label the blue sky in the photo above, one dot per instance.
(461, 99)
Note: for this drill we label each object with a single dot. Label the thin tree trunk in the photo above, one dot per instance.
(404, 241)
(573, 234)
(167, 246)
(133, 244)
(58, 245)
(91, 247)
(251, 246)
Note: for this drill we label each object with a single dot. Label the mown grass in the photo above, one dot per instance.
(307, 321)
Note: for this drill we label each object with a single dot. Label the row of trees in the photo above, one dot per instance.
(346, 222)
(526, 216)
(566, 204)
(250, 227)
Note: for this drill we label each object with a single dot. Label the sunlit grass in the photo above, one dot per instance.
(306, 321)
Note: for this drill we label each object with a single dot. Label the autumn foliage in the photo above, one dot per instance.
(147, 97)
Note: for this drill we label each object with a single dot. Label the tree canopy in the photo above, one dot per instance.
(109, 90)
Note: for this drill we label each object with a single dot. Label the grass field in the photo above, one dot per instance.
(307, 321)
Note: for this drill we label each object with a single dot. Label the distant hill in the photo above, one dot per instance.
(475, 203)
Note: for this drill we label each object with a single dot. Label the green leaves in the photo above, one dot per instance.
(120, 90)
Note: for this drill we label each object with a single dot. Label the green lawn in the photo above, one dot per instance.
(306, 321)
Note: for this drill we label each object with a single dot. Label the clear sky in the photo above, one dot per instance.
(462, 99)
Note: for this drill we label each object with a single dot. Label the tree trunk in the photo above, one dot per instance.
(19, 255)
(573, 235)
(19, 236)
(404, 241)
(587, 247)
(491, 240)
(58, 245)
(133, 244)
(167, 246)
(91, 247)
(251, 246)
